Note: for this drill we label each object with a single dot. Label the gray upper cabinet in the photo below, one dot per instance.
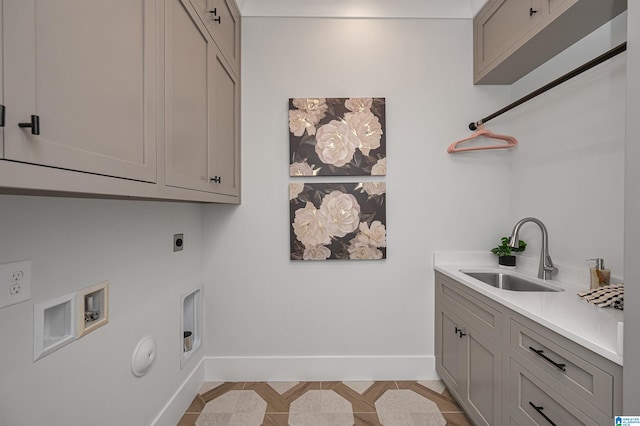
(202, 107)
(129, 98)
(224, 157)
(222, 20)
(513, 37)
(89, 87)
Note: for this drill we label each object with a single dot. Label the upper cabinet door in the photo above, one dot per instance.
(513, 37)
(202, 107)
(224, 156)
(222, 19)
(500, 26)
(87, 70)
(189, 55)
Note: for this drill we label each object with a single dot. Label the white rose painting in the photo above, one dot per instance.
(345, 221)
(337, 137)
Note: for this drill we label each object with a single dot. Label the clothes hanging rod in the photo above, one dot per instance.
(568, 76)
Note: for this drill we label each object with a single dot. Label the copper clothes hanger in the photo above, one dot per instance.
(482, 132)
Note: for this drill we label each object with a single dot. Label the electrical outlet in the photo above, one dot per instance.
(15, 283)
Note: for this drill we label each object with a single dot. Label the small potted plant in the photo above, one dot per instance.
(504, 252)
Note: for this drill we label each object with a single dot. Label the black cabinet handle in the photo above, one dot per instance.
(539, 410)
(214, 12)
(460, 332)
(540, 353)
(34, 124)
(3, 112)
(532, 12)
(216, 179)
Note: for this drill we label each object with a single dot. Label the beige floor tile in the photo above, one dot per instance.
(234, 408)
(357, 403)
(405, 407)
(321, 408)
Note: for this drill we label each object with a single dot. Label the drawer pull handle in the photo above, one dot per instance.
(3, 114)
(539, 410)
(34, 124)
(216, 179)
(540, 353)
(532, 11)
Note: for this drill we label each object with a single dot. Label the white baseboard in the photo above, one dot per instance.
(319, 368)
(182, 398)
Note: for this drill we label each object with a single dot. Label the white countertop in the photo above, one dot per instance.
(563, 312)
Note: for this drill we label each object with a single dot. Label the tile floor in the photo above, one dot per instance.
(392, 403)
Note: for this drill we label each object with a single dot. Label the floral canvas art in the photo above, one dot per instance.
(337, 136)
(344, 221)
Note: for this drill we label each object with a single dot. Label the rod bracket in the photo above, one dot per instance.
(473, 126)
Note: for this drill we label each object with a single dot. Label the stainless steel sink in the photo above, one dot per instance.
(506, 281)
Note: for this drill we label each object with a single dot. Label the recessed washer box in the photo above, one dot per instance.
(93, 307)
(190, 324)
(54, 325)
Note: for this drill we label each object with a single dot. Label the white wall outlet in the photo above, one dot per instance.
(15, 282)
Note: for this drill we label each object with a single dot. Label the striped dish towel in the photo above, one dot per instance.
(607, 295)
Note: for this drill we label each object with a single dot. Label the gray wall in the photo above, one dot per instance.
(261, 304)
(75, 243)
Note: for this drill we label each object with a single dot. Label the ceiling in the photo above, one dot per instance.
(461, 9)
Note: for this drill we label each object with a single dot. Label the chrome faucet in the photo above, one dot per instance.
(546, 268)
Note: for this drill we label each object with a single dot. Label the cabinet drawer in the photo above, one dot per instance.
(481, 315)
(533, 402)
(553, 355)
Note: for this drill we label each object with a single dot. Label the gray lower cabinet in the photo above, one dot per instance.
(469, 357)
(505, 369)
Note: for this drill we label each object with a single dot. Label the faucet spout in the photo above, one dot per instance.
(546, 268)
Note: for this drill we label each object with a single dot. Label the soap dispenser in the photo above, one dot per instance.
(599, 275)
